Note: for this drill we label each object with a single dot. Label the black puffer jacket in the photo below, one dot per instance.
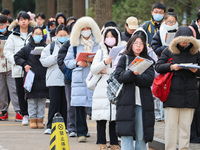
(157, 44)
(184, 88)
(193, 24)
(125, 117)
(23, 58)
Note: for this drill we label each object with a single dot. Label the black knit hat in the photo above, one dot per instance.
(110, 23)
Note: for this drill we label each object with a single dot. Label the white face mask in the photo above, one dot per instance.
(86, 33)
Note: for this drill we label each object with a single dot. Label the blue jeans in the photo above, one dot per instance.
(127, 141)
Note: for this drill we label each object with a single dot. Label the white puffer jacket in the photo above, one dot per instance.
(102, 109)
(54, 77)
(13, 44)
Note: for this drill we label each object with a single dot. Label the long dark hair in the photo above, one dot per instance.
(114, 33)
(129, 46)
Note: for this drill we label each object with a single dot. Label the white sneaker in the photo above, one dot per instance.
(72, 134)
(25, 121)
(47, 131)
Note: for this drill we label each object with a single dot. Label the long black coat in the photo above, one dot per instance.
(23, 58)
(184, 88)
(125, 117)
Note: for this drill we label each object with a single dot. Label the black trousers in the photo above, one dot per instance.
(81, 124)
(101, 132)
(21, 96)
(57, 104)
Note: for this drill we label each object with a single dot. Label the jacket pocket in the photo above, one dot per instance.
(77, 75)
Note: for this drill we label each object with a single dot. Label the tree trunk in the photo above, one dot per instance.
(78, 8)
(9, 5)
(41, 6)
(51, 9)
(103, 11)
(65, 6)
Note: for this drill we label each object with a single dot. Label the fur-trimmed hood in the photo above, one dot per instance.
(79, 25)
(184, 34)
(14, 24)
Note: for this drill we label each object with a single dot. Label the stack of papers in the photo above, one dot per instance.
(189, 65)
(28, 82)
(37, 50)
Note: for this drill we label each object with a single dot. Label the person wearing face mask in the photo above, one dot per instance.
(85, 37)
(183, 97)
(102, 110)
(39, 92)
(54, 77)
(159, 43)
(152, 26)
(6, 77)
(130, 27)
(169, 25)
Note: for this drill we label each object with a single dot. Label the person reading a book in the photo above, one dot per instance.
(102, 110)
(85, 37)
(135, 106)
(183, 97)
(167, 31)
(36, 98)
(54, 77)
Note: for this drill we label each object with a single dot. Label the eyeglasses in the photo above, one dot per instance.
(158, 12)
(169, 22)
(138, 44)
(2, 24)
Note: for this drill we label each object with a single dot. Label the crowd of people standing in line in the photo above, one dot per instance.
(137, 109)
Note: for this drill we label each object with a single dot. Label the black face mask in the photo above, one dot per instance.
(127, 34)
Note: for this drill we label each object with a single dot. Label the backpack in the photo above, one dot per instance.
(114, 87)
(68, 72)
(162, 84)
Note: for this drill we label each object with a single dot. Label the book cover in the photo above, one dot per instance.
(82, 55)
(140, 64)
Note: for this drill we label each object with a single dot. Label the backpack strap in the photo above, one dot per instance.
(52, 45)
(146, 25)
(75, 51)
(126, 62)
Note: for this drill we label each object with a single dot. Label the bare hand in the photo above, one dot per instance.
(194, 70)
(102, 71)
(108, 60)
(135, 72)
(82, 63)
(175, 67)
(27, 68)
(90, 59)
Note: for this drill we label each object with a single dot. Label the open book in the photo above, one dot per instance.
(170, 36)
(189, 65)
(37, 50)
(28, 82)
(140, 64)
(82, 55)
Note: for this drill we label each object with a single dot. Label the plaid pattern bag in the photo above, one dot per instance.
(114, 87)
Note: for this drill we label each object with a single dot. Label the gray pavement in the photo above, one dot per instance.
(14, 136)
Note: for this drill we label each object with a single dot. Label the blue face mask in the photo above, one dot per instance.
(37, 38)
(62, 39)
(158, 17)
(2, 30)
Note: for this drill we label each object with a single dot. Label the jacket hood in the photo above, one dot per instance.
(58, 15)
(14, 24)
(118, 33)
(79, 25)
(184, 34)
(140, 29)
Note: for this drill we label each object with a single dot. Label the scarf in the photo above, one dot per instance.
(164, 29)
(88, 44)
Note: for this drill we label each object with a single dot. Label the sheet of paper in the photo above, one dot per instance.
(28, 82)
(115, 51)
(170, 37)
(37, 50)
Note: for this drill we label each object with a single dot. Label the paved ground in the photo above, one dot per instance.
(14, 136)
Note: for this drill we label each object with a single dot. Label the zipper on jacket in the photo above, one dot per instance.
(110, 112)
